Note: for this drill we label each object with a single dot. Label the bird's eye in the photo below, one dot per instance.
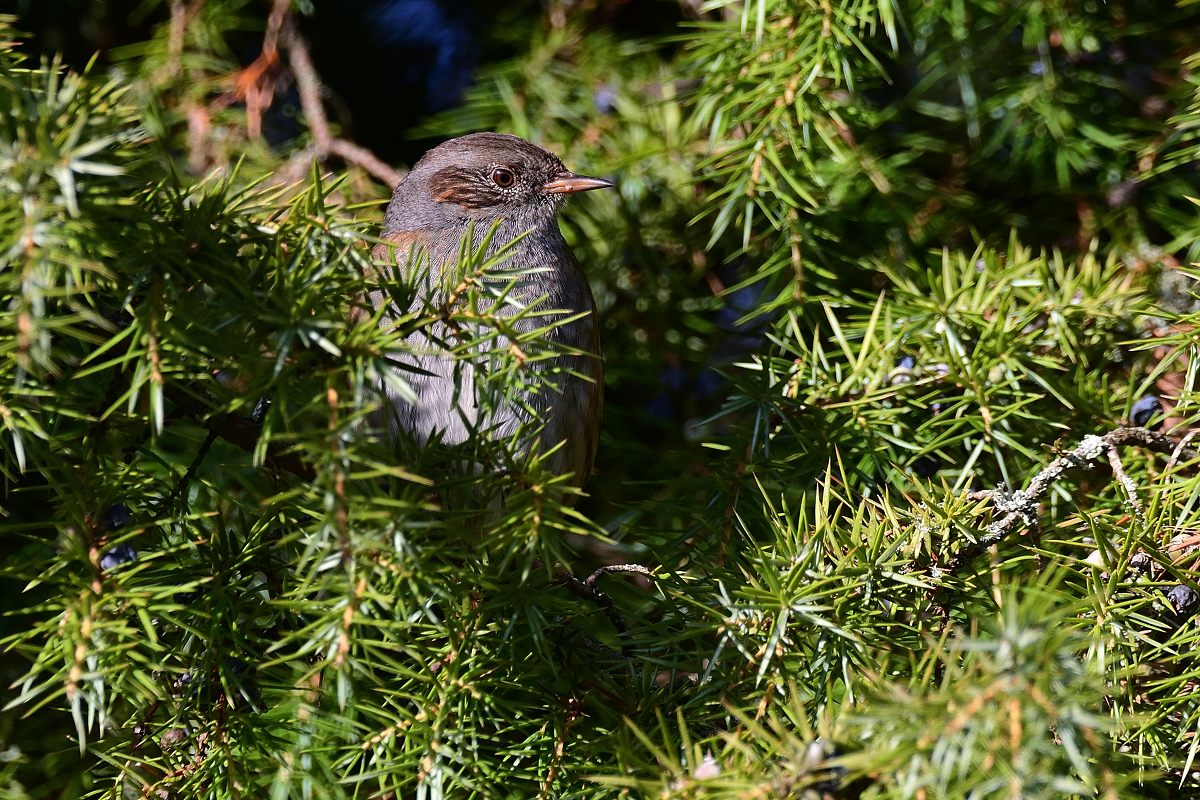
(503, 177)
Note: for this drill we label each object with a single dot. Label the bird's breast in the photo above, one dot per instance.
(540, 282)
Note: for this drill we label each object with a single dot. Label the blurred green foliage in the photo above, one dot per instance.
(865, 261)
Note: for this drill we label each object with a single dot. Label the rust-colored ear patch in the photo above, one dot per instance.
(462, 187)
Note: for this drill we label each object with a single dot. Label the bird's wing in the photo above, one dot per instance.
(595, 406)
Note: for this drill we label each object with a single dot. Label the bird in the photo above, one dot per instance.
(460, 190)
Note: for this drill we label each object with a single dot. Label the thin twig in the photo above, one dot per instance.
(255, 86)
(199, 124)
(356, 154)
(255, 83)
(1114, 460)
(1174, 459)
(175, 36)
(574, 712)
(1020, 507)
(309, 87)
(296, 167)
(616, 568)
(275, 20)
(594, 595)
(588, 590)
(181, 13)
(190, 474)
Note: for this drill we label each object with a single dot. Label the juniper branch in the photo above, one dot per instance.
(1020, 507)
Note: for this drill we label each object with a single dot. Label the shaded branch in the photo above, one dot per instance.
(189, 475)
(238, 431)
(588, 590)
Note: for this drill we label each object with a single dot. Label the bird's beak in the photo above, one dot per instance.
(569, 183)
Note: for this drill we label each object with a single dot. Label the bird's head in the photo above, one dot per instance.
(485, 177)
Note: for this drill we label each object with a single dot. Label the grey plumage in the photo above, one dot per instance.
(463, 186)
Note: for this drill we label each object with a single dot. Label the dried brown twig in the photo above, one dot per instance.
(324, 142)
(255, 86)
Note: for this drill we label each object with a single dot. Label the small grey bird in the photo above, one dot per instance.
(466, 185)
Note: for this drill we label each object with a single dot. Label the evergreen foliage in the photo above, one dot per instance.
(878, 282)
